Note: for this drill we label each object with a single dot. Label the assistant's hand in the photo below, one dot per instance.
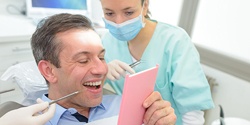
(117, 68)
(29, 115)
(159, 111)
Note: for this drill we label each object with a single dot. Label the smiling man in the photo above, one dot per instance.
(70, 56)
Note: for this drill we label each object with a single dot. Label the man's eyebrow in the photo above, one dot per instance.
(86, 53)
(102, 51)
(80, 53)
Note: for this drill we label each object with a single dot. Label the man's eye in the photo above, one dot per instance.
(102, 58)
(83, 61)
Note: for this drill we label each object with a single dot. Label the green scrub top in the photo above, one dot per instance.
(180, 79)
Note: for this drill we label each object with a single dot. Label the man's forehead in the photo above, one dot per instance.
(88, 37)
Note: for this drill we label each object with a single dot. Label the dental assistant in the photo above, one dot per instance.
(134, 36)
(37, 114)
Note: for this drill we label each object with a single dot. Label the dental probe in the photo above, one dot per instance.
(64, 97)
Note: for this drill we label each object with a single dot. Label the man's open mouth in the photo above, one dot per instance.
(93, 85)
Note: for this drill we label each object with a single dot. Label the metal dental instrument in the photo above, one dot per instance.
(17, 105)
(135, 63)
(8, 90)
(64, 97)
(222, 122)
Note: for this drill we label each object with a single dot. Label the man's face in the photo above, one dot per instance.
(83, 68)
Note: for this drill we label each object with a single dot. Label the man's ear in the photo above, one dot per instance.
(47, 70)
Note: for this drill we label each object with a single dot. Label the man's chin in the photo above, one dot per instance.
(96, 102)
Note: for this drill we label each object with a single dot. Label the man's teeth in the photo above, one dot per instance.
(93, 83)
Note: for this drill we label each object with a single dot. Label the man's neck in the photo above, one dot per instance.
(68, 104)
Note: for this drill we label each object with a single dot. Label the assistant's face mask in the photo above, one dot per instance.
(127, 30)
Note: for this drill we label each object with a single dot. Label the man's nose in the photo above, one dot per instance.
(99, 68)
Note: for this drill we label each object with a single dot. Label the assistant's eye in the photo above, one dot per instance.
(109, 13)
(129, 13)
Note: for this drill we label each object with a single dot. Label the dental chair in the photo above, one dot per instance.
(8, 106)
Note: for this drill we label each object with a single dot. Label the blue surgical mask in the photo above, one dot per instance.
(127, 30)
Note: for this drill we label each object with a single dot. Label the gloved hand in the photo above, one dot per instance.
(117, 68)
(29, 115)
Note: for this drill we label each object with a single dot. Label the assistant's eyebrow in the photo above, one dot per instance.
(108, 9)
(127, 8)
